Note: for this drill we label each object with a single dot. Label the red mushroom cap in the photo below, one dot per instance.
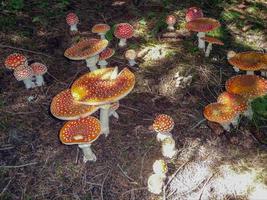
(170, 19)
(212, 40)
(64, 107)
(72, 19)
(100, 28)
(193, 13)
(81, 131)
(38, 68)
(203, 24)
(15, 60)
(163, 123)
(23, 72)
(107, 53)
(123, 31)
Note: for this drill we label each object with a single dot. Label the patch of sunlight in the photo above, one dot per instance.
(218, 33)
(141, 29)
(17, 39)
(118, 3)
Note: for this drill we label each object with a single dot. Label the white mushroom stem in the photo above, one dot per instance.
(39, 80)
(264, 73)
(236, 69)
(104, 119)
(28, 83)
(88, 154)
(168, 148)
(249, 112)
(102, 36)
(155, 183)
(114, 73)
(122, 42)
(73, 27)
(208, 50)
(170, 27)
(235, 121)
(102, 63)
(250, 72)
(91, 62)
(131, 62)
(162, 136)
(201, 43)
(226, 126)
(113, 113)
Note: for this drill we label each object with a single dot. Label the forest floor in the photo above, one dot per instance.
(172, 77)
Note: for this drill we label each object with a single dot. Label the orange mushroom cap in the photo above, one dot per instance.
(97, 87)
(163, 123)
(250, 61)
(238, 103)
(100, 28)
(81, 131)
(107, 53)
(202, 24)
(64, 107)
(220, 113)
(85, 49)
(15, 60)
(212, 40)
(247, 86)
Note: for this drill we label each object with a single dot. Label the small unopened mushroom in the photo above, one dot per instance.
(104, 55)
(160, 167)
(82, 132)
(163, 125)
(168, 148)
(155, 183)
(211, 40)
(101, 29)
(72, 20)
(193, 13)
(170, 20)
(130, 55)
(202, 25)
(25, 74)
(15, 60)
(123, 31)
(39, 70)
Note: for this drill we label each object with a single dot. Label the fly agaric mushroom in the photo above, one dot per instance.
(87, 50)
(123, 31)
(202, 25)
(193, 13)
(15, 60)
(106, 54)
(82, 132)
(39, 70)
(101, 29)
(103, 87)
(130, 55)
(163, 125)
(160, 167)
(170, 20)
(155, 183)
(249, 61)
(168, 148)
(64, 107)
(24, 73)
(72, 20)
(222, 114)
(211, 40)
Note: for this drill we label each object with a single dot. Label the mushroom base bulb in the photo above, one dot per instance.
(201, 43)
(170, 27)
(39, 80)
(73, 28)
(155, 183)
(91, 62)
(102, 63)
(122, 42)
(208, 50)
(88, 154)
(162, 136)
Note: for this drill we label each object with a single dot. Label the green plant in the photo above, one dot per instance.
(259, 107)
(15, 5)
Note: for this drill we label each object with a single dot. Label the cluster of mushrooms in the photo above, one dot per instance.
(31, 75)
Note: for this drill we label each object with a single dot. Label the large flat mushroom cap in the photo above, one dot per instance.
(81, 131)
(85, 49)
(247, 86)
(239, 103)
(220, 113)
(212, 40)
(64, 107)
(203, 24)
(97, 87)
(250, 61)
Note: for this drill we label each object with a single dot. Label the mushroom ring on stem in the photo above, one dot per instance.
(101, 88)
(87, 50)
(123, 31)
(82, 132)
(202, 25)
(163, 125)
(64, 107)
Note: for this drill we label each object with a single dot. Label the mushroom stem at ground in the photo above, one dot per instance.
(155, 183)
(168, 147)
(102, 63)
(91, 62)
(88, 154)
(73, 27)
(39, 80)
(201, 43)
(122, 42)
(208, 50)
(28, 83)
(250, 72)
(104, 119)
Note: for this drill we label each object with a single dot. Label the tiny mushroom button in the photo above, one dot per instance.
(193, 13)
(163, 125)
(123, 31)
(82, 132)
(170, 20)
(72, 20)
(15, 60)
